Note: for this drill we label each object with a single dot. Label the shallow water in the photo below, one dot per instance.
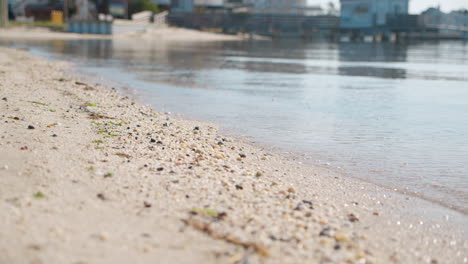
(392, 114)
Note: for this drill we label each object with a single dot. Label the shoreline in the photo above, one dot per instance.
(141, 32)
(291, 155)
(258, 206)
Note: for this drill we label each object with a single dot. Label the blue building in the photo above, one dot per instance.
(182, 6)
(366, 14)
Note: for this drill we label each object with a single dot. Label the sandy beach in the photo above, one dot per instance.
(122, 31)
(89, 175)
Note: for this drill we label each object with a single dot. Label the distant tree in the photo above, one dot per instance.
(135, 6)
(332, 10)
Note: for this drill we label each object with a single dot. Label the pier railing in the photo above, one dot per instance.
(262, 24)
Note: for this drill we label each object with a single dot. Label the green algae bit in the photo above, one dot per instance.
(39, 195)
(97, 141)
(38, 103)
(209, 212)
(115, 124)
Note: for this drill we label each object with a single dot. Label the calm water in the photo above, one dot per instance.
(396, 115)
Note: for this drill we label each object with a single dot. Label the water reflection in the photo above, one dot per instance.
(387, 60)
(377, 52)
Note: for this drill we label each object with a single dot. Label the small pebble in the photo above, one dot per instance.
(160, 169)
(309, 202)
(325, 231)
(353, 218)
(34, 247)
(242, 155)
(31, 127)
(239, 187)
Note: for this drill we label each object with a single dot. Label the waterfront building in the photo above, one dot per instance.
(434, 17)
(362, 14)
(18, 6)
(287, 7)
(447, 25)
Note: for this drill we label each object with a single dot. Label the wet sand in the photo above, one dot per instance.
(89, 175)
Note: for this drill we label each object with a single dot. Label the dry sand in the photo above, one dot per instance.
(99, 178)
(34, 33)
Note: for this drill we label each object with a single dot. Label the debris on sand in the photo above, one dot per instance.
(96, 116)
(38, 103)
(205, 228)
(353, 218)
(122, 155)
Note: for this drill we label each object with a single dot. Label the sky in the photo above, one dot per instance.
(416, 6)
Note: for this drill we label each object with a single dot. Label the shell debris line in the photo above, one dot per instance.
(120, 182)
